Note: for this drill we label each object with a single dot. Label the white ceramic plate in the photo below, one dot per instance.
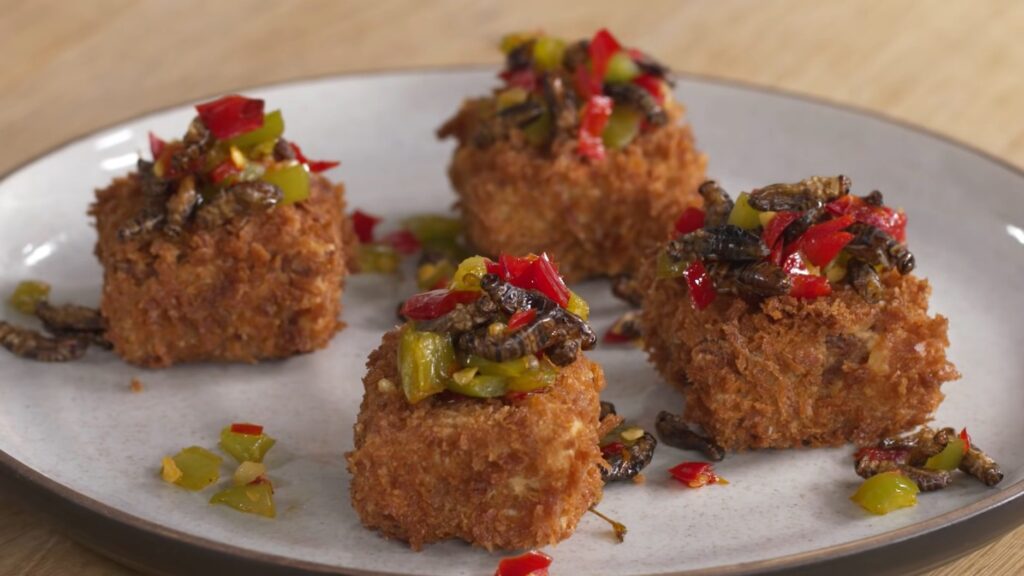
(75, 435)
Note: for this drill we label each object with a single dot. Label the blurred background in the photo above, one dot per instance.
(953, 66)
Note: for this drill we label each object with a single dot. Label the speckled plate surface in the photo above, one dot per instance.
(78, 442)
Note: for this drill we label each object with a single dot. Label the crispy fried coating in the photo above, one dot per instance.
(788, 373)
(498, 474)
(262, 286)
(594, 218)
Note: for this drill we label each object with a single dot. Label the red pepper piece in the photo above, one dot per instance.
(223, 170)
(777, 225)
(966, 438)
(521, 318)
(810, 286)
(601, 49)
(156, 145)
(691, 219)
(695, 474)
(436, 303)
(532, 563)
(532, 273)
(314, 166)
(525, 79)
(613, 337)
(820, 250)
(881, 454)
(246, 428)
(892, 222)
(612, 448)
(702, 289)
(586, 83)
(513, 268)
(364, 224)
(595, 117)
(653, 85)
(231, 115)
(403, 241)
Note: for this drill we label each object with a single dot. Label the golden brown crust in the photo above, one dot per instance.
(501, 475)
(265, 286)
(594, 218)
(789, 373)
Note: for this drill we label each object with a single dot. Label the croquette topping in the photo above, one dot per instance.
(232, 161)
(795, 239)
(499, 328)
(71, 328)
(595, 91)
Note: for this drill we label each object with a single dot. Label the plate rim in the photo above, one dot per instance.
(846, 558)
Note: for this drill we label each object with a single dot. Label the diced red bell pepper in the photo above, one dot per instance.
(612, 448)
(532, 563)
(403, 241)
(532, 273)
(653, 85)
(246, 428)
(892, 222)
(364, 224)
(691, 219)
(810, 286)
(823, 242)
(525, 78)
(221, 171)
(966, 438)
(601, 49)
(595, 117)
(586, 83)
(701, 288)
(521, 318)
(314, 166)
(436, 303)
(695, 474)
(156, 145)
(513, 267)
(231, 115)
(777, 225)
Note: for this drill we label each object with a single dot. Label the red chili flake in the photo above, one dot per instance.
(246, 428)
(653, 85)
(314, 166)
(777, 225)
(231, 115)
(696, 474)
(691, 219)
(364, 224)
(892, 222)
(525, 79)
(532, 563)
(601, 49)
(595, 117)
(403, 241)
(701, 288)
(966, 438)
(521, 318)
(436, 303)
(156, 145)
(223, 170)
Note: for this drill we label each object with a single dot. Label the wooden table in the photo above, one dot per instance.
(72, 67)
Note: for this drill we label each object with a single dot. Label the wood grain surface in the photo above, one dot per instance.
(953, 66)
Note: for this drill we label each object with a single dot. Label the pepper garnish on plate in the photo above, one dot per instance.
(532, 563)
(499, 329)
(696, 474)
(796, 239)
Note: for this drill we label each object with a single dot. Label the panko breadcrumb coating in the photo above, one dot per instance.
(500, 474)
(789, 373)
(265, 285)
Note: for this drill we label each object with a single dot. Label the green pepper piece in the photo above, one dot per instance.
(510, 42)
(377, 259)
(431, 228)
(542, 377)
(510, 97)
(547, 53)
(272, 129)
(949, 458)
(578, 306)
(245, 447)
(426, 362)
(467, 276)
(885, 492)
(430, 274)
(621, 68)
(28, 294)
(199, 467)
(508, 368)
(539, 131)
(743, 215)
(252, 498)
(292, 178)
(623, 125)
(480, 386)
(669, 268)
